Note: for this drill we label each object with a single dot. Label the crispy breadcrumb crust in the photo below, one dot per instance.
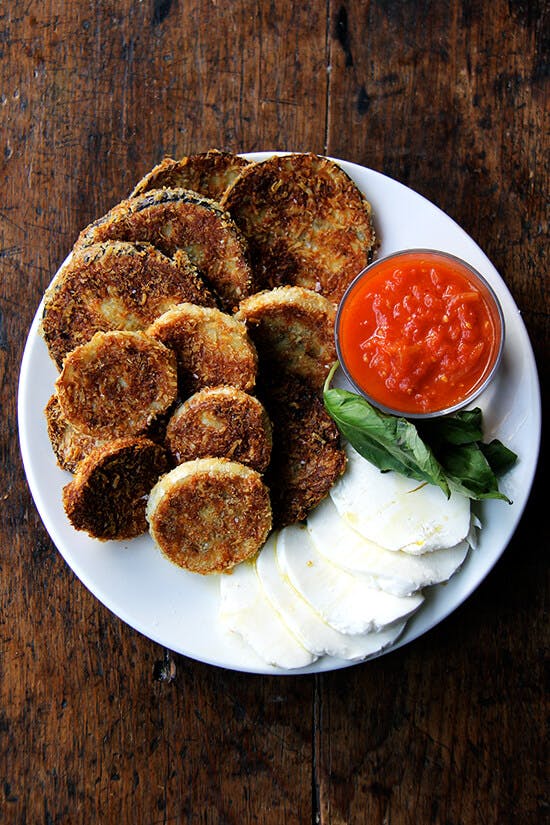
(115, 285)
(306, 223)
(307, 457)
(69, 446)
(156, 267)
(209, 515)
(211, 348)
(209, 173)
(222, 422)
(293, 331)
(172, 219)
(116, 384)
(107, 497)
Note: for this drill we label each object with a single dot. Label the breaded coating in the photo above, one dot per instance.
(210, 514)
(211, 348)
(209, 173)
(107, 497)
(222, 422)
(307, 457)
(115, 285)
(116, 384)
(172, 219)
(69, 445)
(306, 222)
(293, 331)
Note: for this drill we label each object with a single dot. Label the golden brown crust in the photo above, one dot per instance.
(310, 232)
(211, 348)
(222, 422)
(210, 514)
(307, 457)
(306, 223)
(115, 285)
(116, 384)
(293, 331)
(107, 497)
(69, 446)
(172, 219)
(209, 173)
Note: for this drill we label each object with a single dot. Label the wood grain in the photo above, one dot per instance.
(94, 95)
(97, 723)
(455, 105)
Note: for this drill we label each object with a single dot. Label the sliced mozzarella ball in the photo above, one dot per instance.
(245, 610)
(392, 571)
(305, 623)
(240, 650)
(399, 513)
(346, 602)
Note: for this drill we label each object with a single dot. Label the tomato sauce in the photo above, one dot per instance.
(419, 332)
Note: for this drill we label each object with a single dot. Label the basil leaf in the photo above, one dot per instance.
(469, 472)
(446, 451)
(461, 427)
(499, 457)
(389, 442)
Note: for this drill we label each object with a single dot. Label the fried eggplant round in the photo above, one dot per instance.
(211, 347)
(117, 384)
(115, 285)
(293, 331)
(208, 173)
(307, 457)
(306, 222)
(172, 219)
(221, 422)
(69, 445)
(107, 497)
(209, 514)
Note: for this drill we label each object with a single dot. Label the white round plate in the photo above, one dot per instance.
(179, 609)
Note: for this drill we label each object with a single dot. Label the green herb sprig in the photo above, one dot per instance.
(446, 451)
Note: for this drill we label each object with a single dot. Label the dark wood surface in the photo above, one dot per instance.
(97, 723)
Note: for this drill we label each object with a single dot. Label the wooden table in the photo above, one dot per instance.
(99, 724)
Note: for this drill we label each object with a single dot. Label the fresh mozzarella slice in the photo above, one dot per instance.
(399, 513)
(305, 623)
(240, 650)
(346, 602)
(392, 571)
(245, 610)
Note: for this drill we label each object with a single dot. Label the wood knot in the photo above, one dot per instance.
(164, 670)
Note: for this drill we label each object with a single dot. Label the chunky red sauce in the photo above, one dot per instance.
(418, 333)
